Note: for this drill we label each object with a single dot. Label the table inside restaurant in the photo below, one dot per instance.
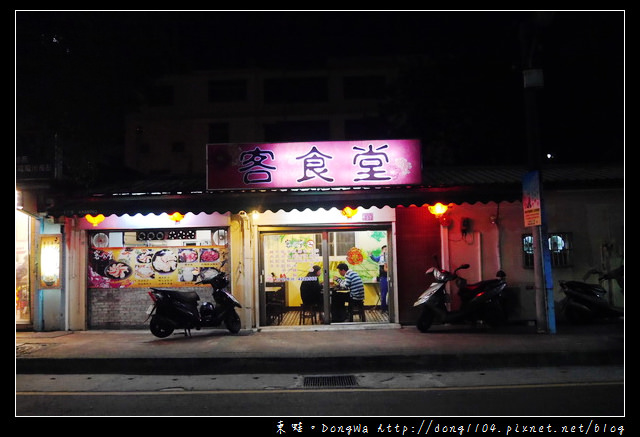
(339, 297)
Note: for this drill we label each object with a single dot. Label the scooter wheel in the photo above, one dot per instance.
(160, 328)
(425, 321)
(232, 322)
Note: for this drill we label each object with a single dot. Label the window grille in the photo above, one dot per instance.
(560, 249)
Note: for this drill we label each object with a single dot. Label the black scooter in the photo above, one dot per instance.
(480, 301)
(584, 302)
(173, 309)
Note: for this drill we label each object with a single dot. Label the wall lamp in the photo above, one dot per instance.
(349, 212)
(176, 217)
(95, 221)
(439, 211)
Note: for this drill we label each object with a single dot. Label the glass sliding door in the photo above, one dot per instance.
(362, 252)
(288, 258)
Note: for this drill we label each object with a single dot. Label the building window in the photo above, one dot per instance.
(177, 147)
(365, 128)
(304, 130)
(296, 90)
(218, 133)
(161, 95)
(225, 91)
(364, 87)
(339, 243)
(560, 249)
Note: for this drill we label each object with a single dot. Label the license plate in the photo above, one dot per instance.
(150, 309)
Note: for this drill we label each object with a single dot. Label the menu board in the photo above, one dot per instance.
(141, 267)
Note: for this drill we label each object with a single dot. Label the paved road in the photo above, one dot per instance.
(590, 390)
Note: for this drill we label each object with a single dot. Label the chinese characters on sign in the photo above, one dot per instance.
(531, 199)
(319, 164)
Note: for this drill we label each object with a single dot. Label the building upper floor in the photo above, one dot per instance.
(182, 113)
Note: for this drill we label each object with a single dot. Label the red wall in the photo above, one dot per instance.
(417, 242)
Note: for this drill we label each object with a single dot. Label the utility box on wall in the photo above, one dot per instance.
(520, 302)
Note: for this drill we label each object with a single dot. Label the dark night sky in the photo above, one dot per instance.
(582, 54)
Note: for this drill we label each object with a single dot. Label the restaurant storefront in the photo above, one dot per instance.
(248, 224)
(266, 255)
(268, 238)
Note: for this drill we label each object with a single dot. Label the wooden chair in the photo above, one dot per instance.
(356, 308)
(275, 303)
(308, 312)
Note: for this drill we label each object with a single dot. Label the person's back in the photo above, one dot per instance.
(311, 289)
(355, 285)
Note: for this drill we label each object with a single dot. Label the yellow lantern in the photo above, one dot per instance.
(176, 217)
(349, 212)
(95, 221)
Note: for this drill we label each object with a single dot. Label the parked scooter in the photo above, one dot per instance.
(173, 309)
(480, 301)
(586, 302)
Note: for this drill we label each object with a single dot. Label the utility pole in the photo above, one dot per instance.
(533, 199)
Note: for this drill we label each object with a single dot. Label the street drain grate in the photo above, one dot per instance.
(332, 381)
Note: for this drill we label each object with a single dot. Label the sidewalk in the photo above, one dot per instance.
(352, 348)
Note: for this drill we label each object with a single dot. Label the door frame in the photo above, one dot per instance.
(324, 230)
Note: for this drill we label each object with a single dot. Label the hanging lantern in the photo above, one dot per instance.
(349, 212)
(95, 221)
(176, 217)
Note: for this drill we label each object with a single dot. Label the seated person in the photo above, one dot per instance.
(352, 282)
(311, 288)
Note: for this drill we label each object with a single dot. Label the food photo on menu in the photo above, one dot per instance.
(146, 267)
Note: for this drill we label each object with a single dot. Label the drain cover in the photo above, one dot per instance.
(332, 381)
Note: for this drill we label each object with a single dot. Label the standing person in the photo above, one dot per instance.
(352, 281)
(384, 285)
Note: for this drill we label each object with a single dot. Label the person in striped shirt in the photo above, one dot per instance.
(351, 281)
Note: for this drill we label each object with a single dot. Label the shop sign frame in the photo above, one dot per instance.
(326, 164)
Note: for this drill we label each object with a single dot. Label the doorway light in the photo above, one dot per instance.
(349, 212)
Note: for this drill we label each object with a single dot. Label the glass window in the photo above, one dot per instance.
(364, 87)
(218, 133)
(560, 249)
(287, 263)
(225, 91)
(304, 130)
(161, 95)
(23, 290)
(296, 90)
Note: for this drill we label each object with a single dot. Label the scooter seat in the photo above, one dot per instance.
(181, 296)
(585, 288)
(489, 283)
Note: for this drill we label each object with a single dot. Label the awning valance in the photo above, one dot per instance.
(234, 202)
(445, 185)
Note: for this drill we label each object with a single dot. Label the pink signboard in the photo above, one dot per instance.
(313, 164)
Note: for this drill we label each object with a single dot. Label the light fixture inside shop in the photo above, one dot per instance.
(349, 212)
(95, 221)
(176, 217)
